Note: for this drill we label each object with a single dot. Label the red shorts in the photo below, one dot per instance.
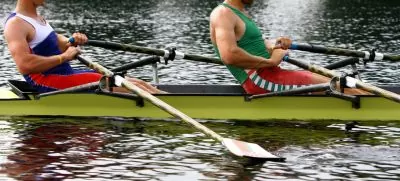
(52, 82)
(275, 79)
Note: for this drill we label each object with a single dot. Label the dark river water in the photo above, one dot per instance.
(140, 149)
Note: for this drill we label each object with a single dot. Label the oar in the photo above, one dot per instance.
(371, 56)
(151, 51)
(316, 69)
(350, 82)
(140, 63)
(238, 148)
(79, 88)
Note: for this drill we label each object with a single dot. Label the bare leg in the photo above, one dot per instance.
(356, 92)
(318, 79)
(145, 86)
(141, 84)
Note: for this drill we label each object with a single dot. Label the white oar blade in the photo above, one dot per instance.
(252, 150)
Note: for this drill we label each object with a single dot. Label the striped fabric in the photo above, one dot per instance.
(270, 86)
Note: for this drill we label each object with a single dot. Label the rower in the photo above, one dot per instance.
(42, 56)
(253, 61)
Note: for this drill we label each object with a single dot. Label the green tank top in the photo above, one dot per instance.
(251, 41)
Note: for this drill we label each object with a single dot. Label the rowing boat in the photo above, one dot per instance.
(227, 102)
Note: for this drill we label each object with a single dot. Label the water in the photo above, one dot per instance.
(82, 148)
(101, 149)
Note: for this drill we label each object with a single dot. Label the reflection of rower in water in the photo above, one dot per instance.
(43, 56)
(47, 146)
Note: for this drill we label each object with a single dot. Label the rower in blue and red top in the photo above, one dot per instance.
(43, 56)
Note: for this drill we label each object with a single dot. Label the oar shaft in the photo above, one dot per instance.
(150, 51)
(391, 57)
(171, 110)
(154, 100)
(325, 50)
(139, 63)
(329, 73)
(340, 51)
(343, 63)
(79, 88)
(378, 91)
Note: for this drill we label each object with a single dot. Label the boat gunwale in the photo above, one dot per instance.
(181, 95)
(185, 94)
(25, 92)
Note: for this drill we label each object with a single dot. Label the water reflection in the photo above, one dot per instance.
(128, 149)
(51, 150)
(56, 148)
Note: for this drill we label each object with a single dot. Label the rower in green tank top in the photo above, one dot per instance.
(253, 61)
(252, 42)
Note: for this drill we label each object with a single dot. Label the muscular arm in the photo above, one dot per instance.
(62, 42)
(223, 23)
(27, 63)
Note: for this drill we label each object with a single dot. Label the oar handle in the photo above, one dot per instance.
(71, 40)
(367, 55)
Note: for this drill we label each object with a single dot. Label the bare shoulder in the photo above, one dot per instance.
(221, 13)
(15, 26)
